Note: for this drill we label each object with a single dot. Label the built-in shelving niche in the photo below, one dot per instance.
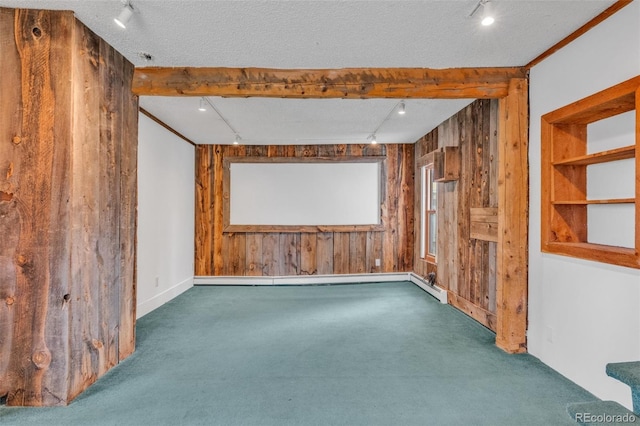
(564, 174)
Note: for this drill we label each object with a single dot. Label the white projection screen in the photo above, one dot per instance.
(290, 194)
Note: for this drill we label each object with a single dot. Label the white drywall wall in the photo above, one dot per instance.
(583, 314)
(165, 216)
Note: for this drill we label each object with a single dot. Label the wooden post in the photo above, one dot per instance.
(68, 138)
(204, 216)
(513, 201)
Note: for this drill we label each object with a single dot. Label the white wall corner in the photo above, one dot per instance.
(161, 298)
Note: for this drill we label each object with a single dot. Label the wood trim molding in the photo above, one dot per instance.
(166, 126)
(580, 31)
(483, 316)
(315, 228)
(356, 83)
(275, 160)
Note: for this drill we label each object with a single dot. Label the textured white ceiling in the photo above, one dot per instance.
(301, 121)
(321, 34)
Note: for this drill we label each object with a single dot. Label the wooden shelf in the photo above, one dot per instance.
(564, 138)
(585, 202)
(621, 256)
(623, 153)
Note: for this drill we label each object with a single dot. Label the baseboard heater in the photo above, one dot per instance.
(439, 293)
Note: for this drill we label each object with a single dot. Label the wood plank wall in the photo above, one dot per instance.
(68, 185)
(279, 254)
(466, 266)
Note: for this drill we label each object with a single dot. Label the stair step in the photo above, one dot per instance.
(597, 413)
(626, 372)
(629, 374)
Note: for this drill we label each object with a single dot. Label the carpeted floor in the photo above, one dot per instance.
(364, 354)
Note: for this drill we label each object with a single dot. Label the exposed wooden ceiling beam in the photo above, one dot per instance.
(400, 83)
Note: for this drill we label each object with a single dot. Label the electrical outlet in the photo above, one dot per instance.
(377, 262)
(157, 281)
(549, 334)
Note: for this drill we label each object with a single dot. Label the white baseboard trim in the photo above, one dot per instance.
(301, 279)
(435, 291)
(160, 299)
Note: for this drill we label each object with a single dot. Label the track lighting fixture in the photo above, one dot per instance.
(210, 102)
(487, 13)
(400, 108)
(203, 105)
(125, 15)
(487, 16)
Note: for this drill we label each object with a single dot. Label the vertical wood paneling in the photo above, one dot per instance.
(68, 162)
(218, 259)
(493, 200)
(448, 198)
(128, 215)
(37, 186)
(10, 172)
(254, 254)
(357, 252)
(219, 253)
(370, 255)
(290, 254)
(85, 278)
(341, 247)
(463, 212)
(308, 259)
(204, 210)
(111, 136)
(405, 214)
(324, 253)
(466, 266)
(390, 212)
(271, 254)
(377, 249)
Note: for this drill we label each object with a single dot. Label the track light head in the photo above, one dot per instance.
(203, 105)
(125, 15)
(487, 15)
(374, 140)
(236, 141)
(401, 109)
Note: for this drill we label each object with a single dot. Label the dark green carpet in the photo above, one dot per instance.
(365, 354)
